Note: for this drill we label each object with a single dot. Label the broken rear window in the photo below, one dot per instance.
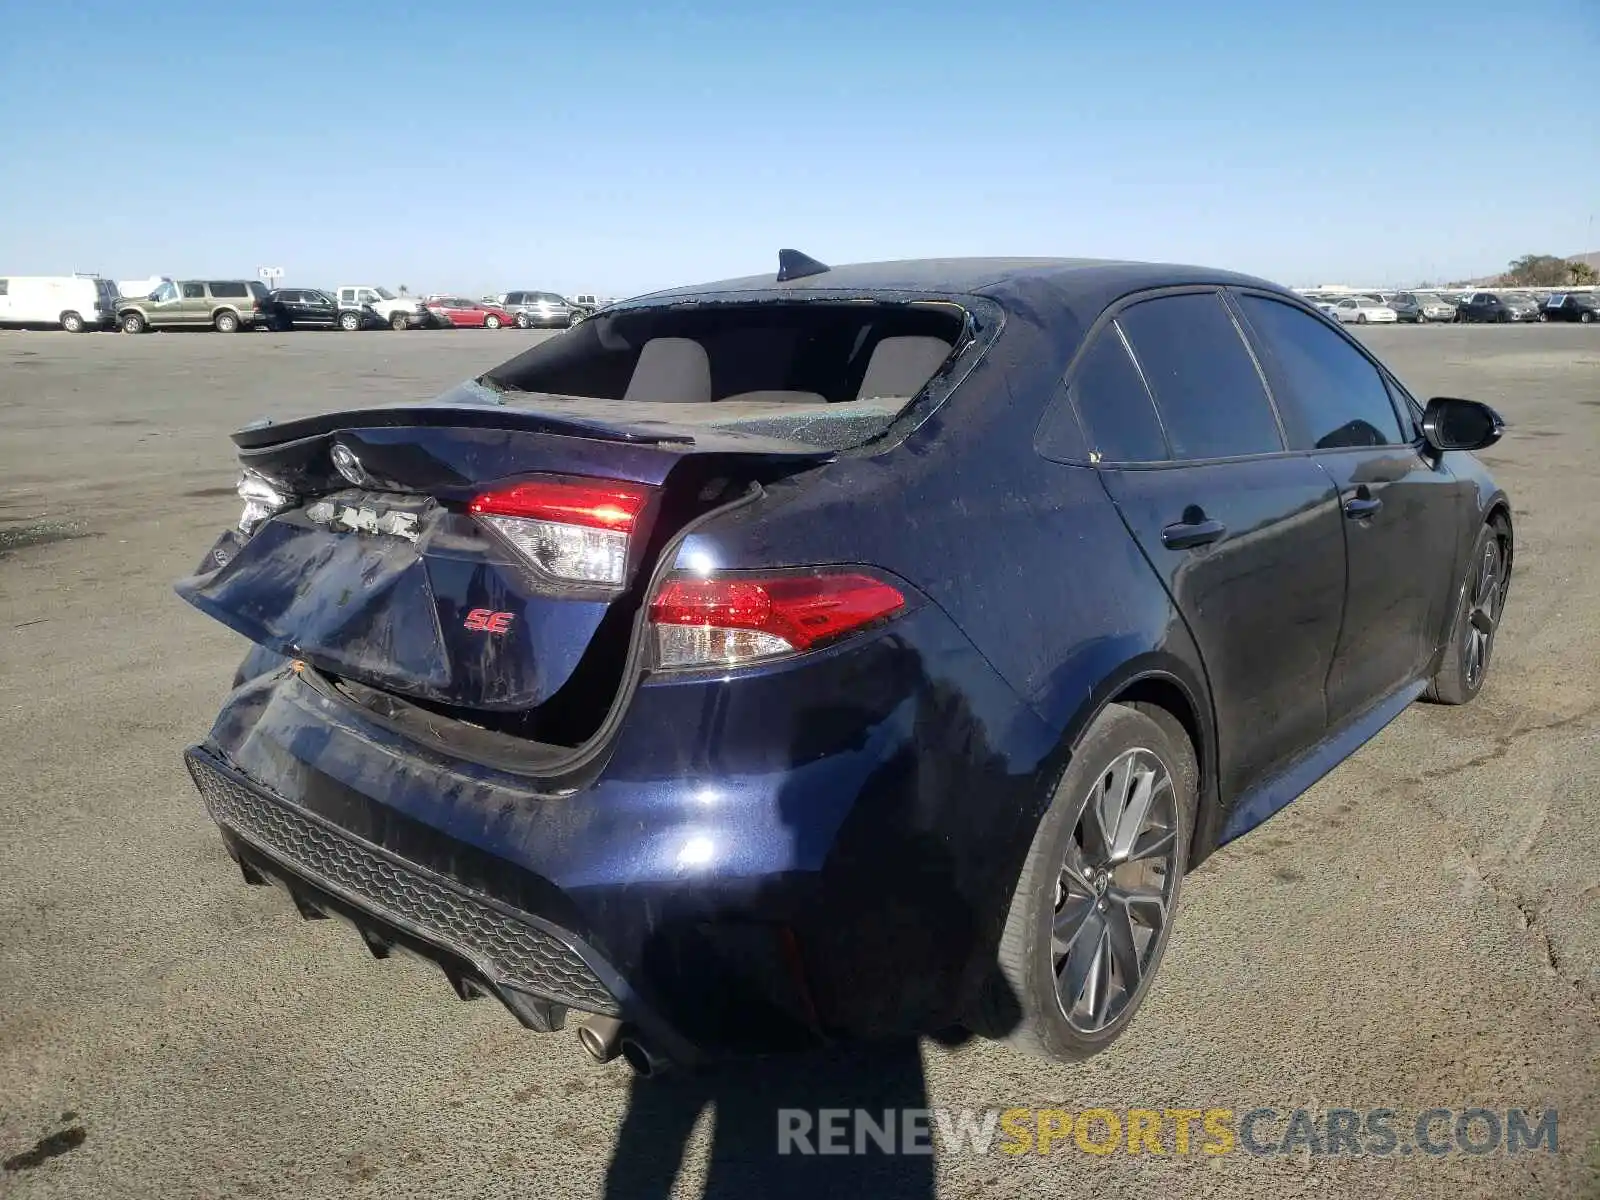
(833, 374)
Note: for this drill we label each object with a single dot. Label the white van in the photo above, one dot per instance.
(74, 302)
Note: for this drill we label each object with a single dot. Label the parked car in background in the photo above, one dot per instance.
(226, 305)
(676, 723)
(537, 310)
(400, 312)
(469, 314)
(584, 303)
(73, 302)
(1571, 306)
(1493, 307)
(1363, 310)
(310, 308)
(1421, 307)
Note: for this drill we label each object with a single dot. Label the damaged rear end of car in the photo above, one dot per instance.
(546, 685)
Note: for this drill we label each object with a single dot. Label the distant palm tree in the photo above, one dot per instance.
(1581, 273)
(404, 289)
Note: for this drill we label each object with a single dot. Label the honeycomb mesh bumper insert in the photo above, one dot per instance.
(509, 950)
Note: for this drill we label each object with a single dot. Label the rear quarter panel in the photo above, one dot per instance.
(1028, 558)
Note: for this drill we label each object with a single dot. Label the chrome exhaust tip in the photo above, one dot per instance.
(601, 1037)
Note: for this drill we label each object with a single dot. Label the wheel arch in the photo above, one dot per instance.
(1166, 683)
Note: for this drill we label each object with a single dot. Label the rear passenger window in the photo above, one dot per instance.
(1118, 419)
(1334, 396)
(194, 291)
(1206, 386)
(229, 291)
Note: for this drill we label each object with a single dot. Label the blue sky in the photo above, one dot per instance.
(620, 146)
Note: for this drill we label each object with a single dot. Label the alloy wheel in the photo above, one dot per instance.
(1114, 890)
(1484, 611)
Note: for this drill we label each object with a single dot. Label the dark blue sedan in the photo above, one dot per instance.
(847, 653)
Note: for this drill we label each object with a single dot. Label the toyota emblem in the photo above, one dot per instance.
(348, 465)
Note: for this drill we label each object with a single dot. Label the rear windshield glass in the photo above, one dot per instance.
(825, 373)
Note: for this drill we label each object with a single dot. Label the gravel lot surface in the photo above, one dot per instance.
(1420, 930)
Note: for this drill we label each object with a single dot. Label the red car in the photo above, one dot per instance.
(460, 311)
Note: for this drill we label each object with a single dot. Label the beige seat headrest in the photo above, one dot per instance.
(899, 366)
(671, 370)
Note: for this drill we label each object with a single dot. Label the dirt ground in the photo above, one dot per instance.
(1420, 930)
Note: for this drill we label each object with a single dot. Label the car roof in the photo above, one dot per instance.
(1078, 280)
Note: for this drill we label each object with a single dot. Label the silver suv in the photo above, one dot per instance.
(537, 310)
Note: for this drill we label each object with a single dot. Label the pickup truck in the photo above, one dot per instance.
(401, 312)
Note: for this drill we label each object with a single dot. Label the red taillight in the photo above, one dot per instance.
(704, 622)
(596, 505)
(574, 530)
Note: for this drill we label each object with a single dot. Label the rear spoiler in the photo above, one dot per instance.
(562, 419)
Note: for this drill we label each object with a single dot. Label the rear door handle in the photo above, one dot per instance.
(1186, 535)
(1362, 506)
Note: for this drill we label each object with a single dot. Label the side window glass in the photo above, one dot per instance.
(1410, 411)
(1207, 389)
(194, 291)
(1334, 396)
(1119, 421)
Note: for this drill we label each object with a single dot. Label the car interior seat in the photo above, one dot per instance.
(671, 370)
(899, 366)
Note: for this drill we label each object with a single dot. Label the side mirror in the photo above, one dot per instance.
(1451, 424)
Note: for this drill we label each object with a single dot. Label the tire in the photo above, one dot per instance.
(1060, 877)
(398, 322)
(226, 322)
(491, 322)
(1361, 318)
(1465, 664)
(133, 323)
(72, 322)
(1586, 317)
(350, 322)
(523, 322)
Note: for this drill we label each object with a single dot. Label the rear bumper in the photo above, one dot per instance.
(732, 880)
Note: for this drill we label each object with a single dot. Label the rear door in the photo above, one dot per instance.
(194, 306)
(1401, 509)
(1245, 534)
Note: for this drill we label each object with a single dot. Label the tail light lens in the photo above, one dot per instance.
(574, 530)
(263, 499)
(725, 622)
